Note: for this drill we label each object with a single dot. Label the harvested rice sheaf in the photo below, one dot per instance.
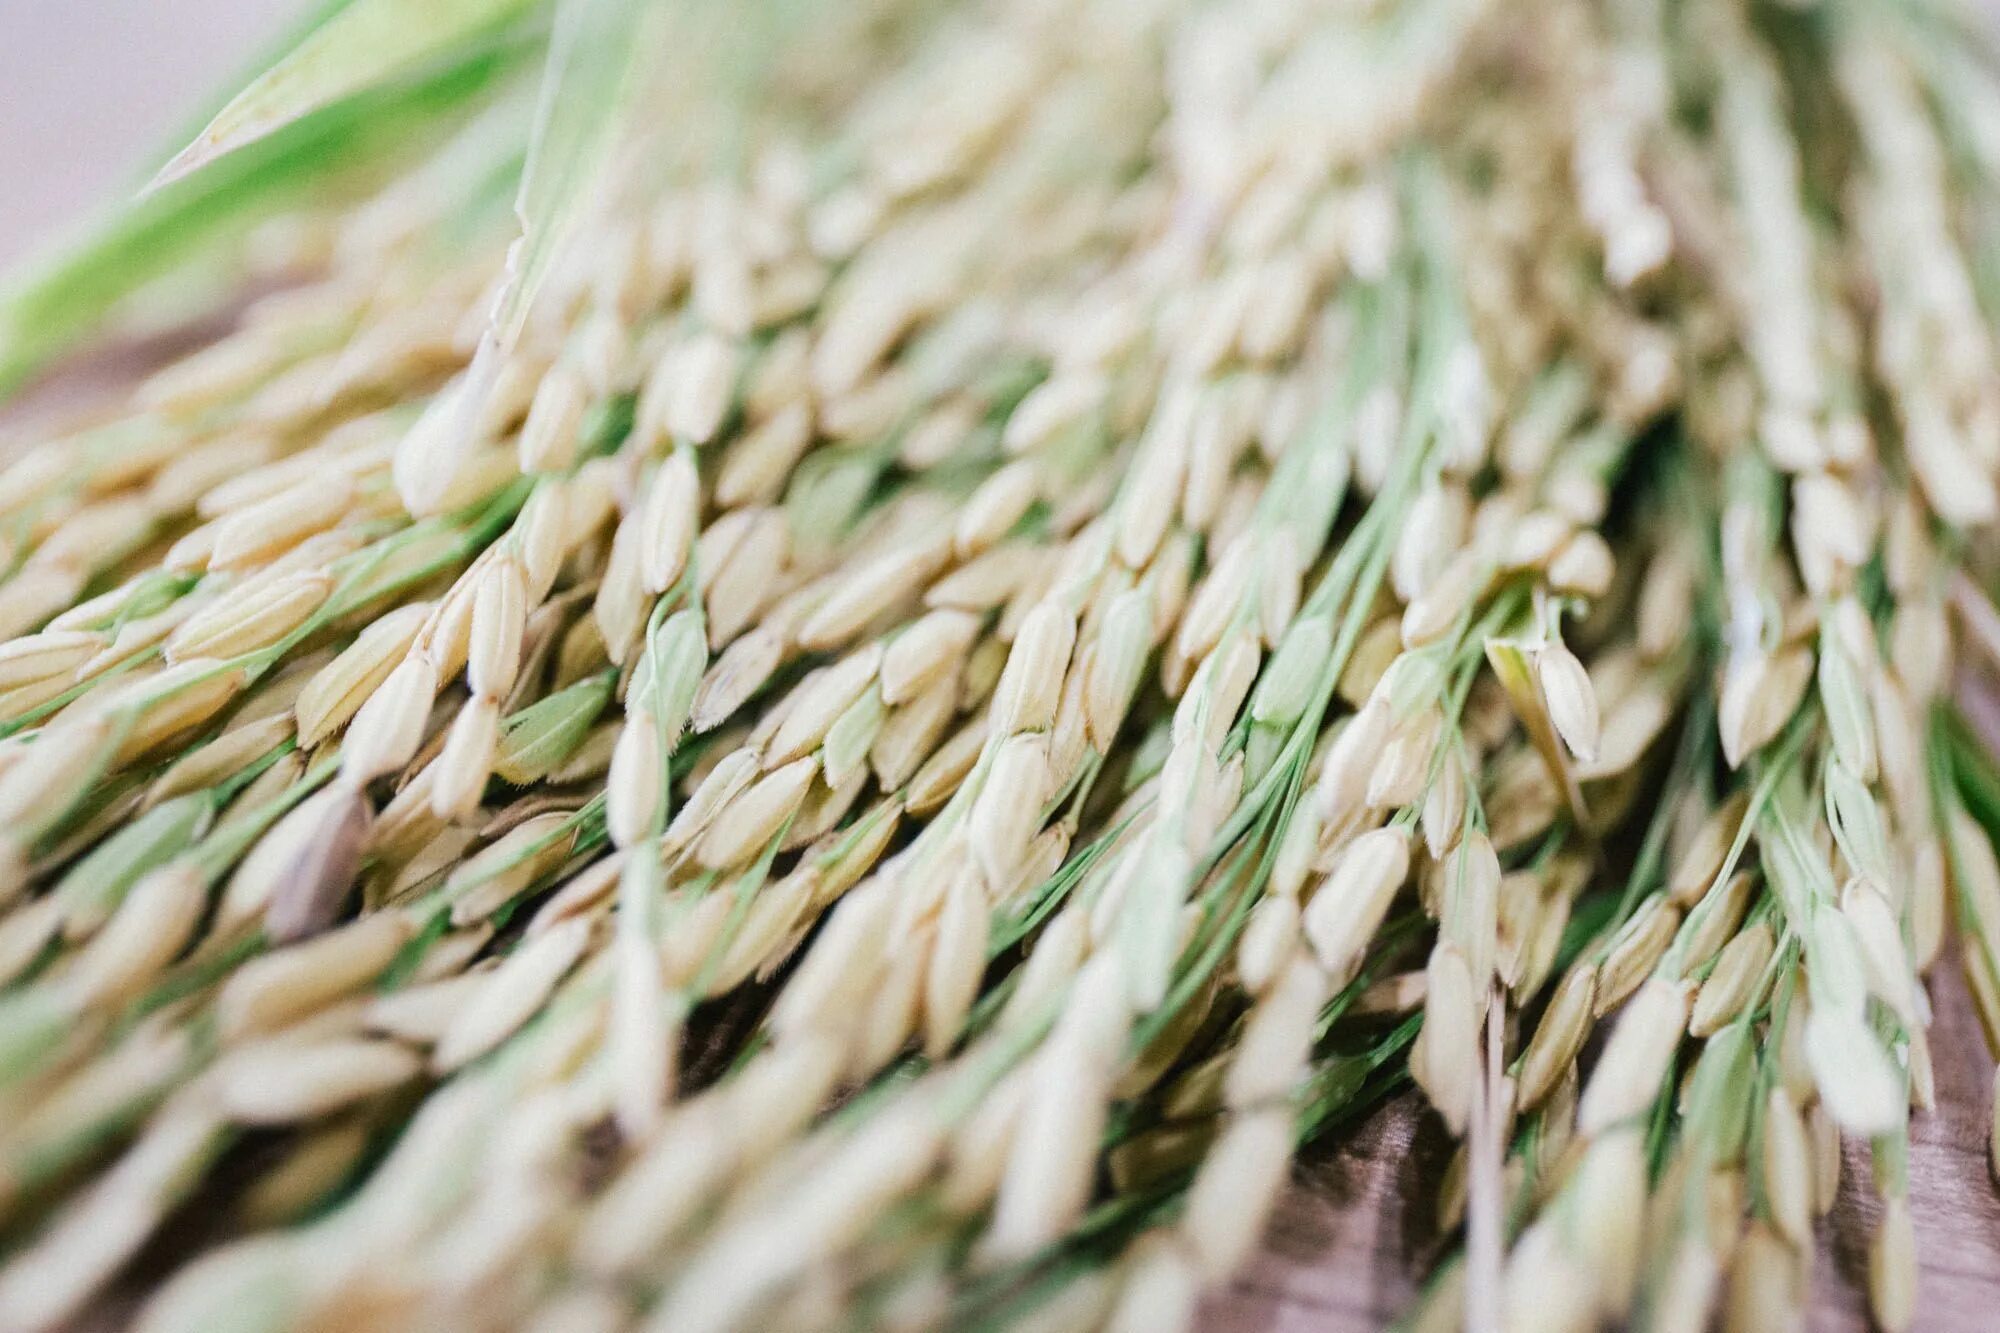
(846, 666)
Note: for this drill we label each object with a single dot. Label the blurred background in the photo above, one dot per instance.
(94, 94)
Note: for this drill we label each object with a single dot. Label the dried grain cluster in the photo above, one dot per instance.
(1046, 602)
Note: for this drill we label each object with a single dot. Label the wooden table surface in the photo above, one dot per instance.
(1354, 1236)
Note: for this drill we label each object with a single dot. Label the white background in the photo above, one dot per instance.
(92, 93)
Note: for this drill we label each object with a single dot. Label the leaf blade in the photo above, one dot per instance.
(363, 45)
(48, 307)
(583, 87)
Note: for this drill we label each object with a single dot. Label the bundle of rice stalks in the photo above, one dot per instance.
(965, 625)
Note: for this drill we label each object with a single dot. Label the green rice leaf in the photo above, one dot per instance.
(584, 87)
(302, 25)
(363, 45)
(49, 307)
